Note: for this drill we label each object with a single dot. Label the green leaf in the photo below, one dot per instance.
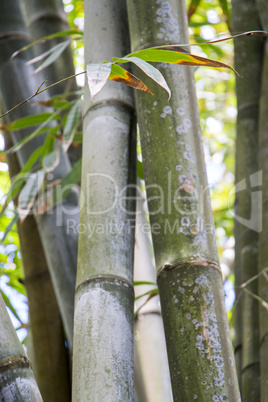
(175, 57)
(138, 283)
(47, 53)
(72, 121)
(140, 170)
(28, 121)
(97, 75)
(29, 192)
(150, 292)
(78, 137)
(72, 178)
(48, 146)
(119, 74)
(51, 160)
(10, 305)
(58, 50)
(226, 11)
(192, 8)
(151, 71)
(20, 178)
(40, 130)
(10, 226)
(49, 37)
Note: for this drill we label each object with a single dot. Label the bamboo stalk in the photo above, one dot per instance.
(263, 255)
(44, 18)
(152, 378)
(248, 61)
(103, 334)
(16, 84)
(189, 278)
(52, 374)
(17, 381)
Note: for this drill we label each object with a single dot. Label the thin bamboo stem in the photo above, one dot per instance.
(248, 60)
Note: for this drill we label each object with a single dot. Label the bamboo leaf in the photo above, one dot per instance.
(119, 74)
(192, 8)
(10, 305)
(29, 192)
(97, 75)
(40, 130)
(58, 50)
(20, 144)
(51, 160)
(19, 180)
(151, 71)
(72, 121)
(226, 11)
(49, 37)
(53, 49)
(72, 178)
(138, 283)
(28, 121)
(10, 226)
(78, 137)
(150, 292)
(140, 170)
(48, 146)
(175, 57)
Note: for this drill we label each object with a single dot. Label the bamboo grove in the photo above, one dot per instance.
(99, 256)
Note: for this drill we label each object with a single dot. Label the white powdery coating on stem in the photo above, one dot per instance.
(103, 348)
(170, 26)
(209, 342)
(25, 388)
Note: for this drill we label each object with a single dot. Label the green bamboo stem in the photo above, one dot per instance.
(17, 382)
(44, 18)
(189, 278)
(238, 311)
(52, 374)
(103, 330)
(248, 62)
(17, 83)
(152, 378)
(263, 254)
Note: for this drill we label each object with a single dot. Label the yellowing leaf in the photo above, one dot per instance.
(175, 57)
(119, 74)
(151, 71)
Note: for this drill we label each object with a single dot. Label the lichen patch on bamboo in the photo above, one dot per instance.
(169, 29)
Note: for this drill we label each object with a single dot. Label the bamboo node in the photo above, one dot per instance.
(14, 362)
(199, 261)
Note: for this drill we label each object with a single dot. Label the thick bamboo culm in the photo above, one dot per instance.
(189, 278)
(16, 84)
(104, 289)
